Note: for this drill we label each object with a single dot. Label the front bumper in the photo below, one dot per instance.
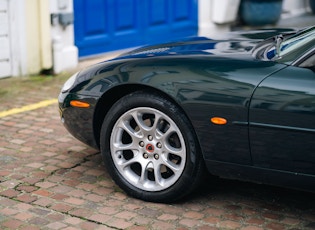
(78, 121)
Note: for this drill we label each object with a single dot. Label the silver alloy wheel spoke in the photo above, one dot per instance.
(171, 165)
(158, 178)
(129, 130)
(157, 133)
(168, 132)
(126, 163)
(121, 147)
(175, 151)
(148, 149)
(138, 120)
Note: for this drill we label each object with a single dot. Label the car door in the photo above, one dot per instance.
(282, 121)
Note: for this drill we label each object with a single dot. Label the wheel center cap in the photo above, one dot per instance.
(149, 148)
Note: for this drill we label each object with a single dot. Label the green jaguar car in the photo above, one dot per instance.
(239, 107)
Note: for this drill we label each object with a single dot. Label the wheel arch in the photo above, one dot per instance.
(108, 99)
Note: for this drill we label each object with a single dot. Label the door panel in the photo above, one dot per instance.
(126, 15)
(181, 10)
(95, 21)
(170, 19)
(157, 12)
(105, 25)
(282, 121)
(91, 25)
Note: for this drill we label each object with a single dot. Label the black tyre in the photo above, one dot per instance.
(149, 148)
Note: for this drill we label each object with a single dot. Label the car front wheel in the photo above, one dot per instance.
(150, 149)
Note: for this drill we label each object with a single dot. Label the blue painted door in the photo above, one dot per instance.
(106, 25)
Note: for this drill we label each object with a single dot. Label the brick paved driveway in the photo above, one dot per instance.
(49, 180)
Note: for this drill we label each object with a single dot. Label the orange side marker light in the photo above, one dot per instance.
(79, 104)
(218, 120)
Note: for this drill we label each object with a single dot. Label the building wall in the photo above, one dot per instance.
(29, 23)
(209, 25)
(36, 44)
(64, 52)
(32, 36)
(45, 35)
(38, 39)
(18, 37)
(294, 7)
(5, 41)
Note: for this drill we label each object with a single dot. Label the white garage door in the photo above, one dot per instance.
(5, 55)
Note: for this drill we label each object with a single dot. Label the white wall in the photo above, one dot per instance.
(65, 53)
(294, 7)
(206, 27)
(5, 40)
(29, 24)
(208, 11)
(18, 37)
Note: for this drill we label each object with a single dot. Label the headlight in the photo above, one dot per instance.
(69, 83)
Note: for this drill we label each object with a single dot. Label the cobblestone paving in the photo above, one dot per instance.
(49, 180)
